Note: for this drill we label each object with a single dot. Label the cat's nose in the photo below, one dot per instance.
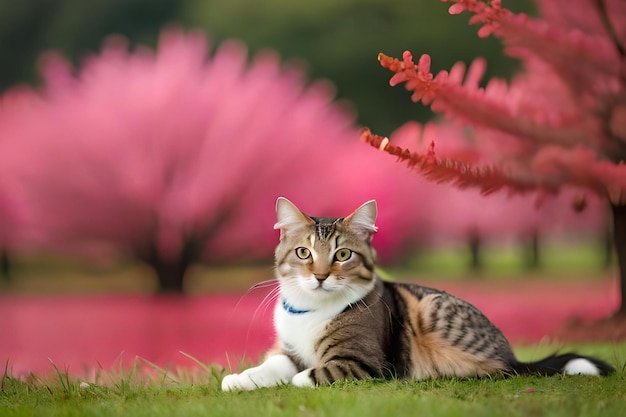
(321, 277)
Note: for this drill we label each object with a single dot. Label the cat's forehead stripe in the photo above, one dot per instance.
(325, 227)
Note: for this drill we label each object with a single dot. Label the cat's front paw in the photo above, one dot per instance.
(303, 379)
(277, 369)
(238, 382)
(248, 380)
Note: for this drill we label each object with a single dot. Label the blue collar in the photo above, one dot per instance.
(291, 309)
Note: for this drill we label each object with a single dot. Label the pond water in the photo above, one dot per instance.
(87, 331)
(79, 332)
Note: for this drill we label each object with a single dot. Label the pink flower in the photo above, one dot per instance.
(460, 6)
(418, 78)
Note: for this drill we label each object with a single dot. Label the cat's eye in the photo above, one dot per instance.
(343, 255)
(303, 253)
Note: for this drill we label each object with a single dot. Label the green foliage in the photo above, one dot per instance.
(157, 392)
(339, 39)
(72, 27)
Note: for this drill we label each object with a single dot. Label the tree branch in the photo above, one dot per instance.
(457, 101)
(487, 178)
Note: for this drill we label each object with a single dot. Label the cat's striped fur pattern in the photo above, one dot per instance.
(337, 320)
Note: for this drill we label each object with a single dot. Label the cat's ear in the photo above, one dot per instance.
(288, 215)
(362, 220)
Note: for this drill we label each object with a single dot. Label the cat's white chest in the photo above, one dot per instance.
(301, 332)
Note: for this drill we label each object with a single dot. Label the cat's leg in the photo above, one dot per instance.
(275, 370)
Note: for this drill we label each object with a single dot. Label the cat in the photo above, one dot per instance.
(335, 319)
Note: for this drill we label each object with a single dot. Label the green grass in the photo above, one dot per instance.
(146, 390)
(556, 260)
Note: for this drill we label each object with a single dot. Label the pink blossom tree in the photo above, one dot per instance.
(175, 156)
(466, 216)
(560, 122)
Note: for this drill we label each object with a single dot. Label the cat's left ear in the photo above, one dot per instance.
(362, 220)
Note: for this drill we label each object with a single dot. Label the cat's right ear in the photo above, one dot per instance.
(288, 216)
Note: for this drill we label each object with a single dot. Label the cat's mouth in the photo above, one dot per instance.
(319, 286)
(315, 285)
(324, 286)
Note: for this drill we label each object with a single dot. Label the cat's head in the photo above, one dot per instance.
(325, 258)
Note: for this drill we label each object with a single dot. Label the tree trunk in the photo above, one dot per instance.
(532, 261)
(170, 275)
(474, 243)
(169, 270)
(5, 265)
(619, 238)
(607, 246)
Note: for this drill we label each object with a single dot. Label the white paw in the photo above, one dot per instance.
(277, 369)
(580, 366)
(237, 382)
(248, 380)
(303, 379)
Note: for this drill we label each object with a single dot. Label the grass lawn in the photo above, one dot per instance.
(195, 392)
(556, 260)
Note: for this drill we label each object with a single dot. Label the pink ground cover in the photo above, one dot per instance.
(84, 332)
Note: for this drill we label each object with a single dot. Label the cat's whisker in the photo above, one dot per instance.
(345, 296)
(271, 301)
(267, 300)
(366, 306)
(264, 304)
(359, 303)
(294, 287)
(263, 284)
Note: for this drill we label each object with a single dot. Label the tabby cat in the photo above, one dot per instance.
(336, 319)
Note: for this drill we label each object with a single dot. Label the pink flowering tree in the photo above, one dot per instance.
(466, 216)
(177, 156)
(561, 121)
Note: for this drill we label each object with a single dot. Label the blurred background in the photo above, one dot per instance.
(338, 40)
(150, 162)
(332, 40)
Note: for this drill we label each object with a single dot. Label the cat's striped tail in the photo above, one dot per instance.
(568, 363)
